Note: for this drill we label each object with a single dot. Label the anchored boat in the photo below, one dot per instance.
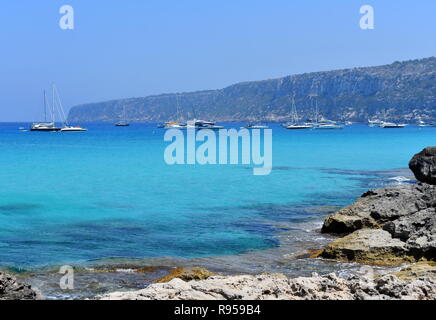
(46, 126)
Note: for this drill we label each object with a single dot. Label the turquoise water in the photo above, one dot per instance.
(74, 197)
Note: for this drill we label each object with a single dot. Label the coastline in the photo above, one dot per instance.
(292, 258)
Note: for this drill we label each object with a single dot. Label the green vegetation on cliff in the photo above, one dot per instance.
(402, 90)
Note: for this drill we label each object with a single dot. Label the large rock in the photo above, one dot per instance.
(373, 246)
(11, 289)
(423, 165)
(377, 207)
(278, 287)
(403, 223)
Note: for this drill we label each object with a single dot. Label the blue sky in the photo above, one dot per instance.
(134, 48)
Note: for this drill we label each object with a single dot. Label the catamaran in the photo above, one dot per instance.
(46, 126)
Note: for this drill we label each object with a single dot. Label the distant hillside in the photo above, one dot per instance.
(402, 90)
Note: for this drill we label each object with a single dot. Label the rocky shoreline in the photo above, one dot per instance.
(393, 226)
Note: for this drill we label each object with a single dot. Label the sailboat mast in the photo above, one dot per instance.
(45, 107)
(53, 105)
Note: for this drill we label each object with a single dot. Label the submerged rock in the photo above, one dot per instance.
(279, 287)
(423, 165)
(12, 289)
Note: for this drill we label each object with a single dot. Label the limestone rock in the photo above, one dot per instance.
(12, 289)
(374, 246)
(423, 165)
(278, 287)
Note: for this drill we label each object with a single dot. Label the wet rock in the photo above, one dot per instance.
(373, 246)
(187, 274)
(12, 289)
(279, 287)
(423, 165)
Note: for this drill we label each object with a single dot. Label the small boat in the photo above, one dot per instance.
(255, 126)
(175, 125)
(375, 123)
(392, 125)
(329, 126)
(298, 126)
(72, 129)
(122, 124)
(423, 124)
(202, 124)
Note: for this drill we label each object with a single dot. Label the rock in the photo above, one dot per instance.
(12, 289)
(187, 274)
(418, 231)
(403, 223)
(278, 287)
(377, 207)
(373, 246)
(423, 165)
(418, 270)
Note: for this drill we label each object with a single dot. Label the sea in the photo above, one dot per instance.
(106, 202)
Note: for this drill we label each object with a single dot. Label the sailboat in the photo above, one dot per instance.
(294, 125)
(176, 124)
(123, 123)
(46, 126)
(66, 126)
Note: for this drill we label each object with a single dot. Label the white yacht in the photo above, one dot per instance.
(375, 123)
(255, 126)
(392, 125)
(203, 124)
(423, 124)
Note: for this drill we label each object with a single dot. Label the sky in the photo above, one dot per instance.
(134, 48)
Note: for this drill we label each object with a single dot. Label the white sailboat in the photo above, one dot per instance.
(66, 126)
(178, 124)
(294, 124)
(123, 123)
(46, 126)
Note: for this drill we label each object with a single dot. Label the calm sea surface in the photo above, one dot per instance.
(107, 193)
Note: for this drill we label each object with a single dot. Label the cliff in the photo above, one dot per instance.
(402, 90)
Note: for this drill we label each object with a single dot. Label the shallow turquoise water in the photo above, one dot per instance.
(70, 197)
